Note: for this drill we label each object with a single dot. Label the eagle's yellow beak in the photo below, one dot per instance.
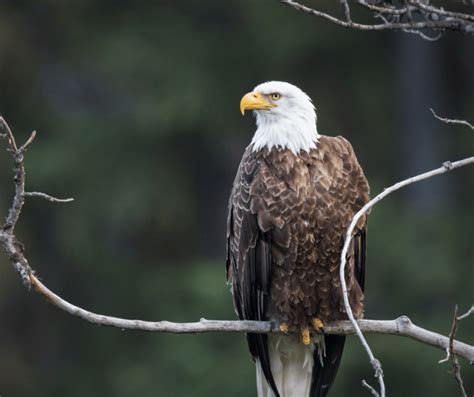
(254, 100)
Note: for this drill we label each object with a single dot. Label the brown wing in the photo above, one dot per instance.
(358, 188)
(249, 262)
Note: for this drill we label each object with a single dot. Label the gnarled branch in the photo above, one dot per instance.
(447, 166)
(401, 326)
(410, 16)
(452, 121)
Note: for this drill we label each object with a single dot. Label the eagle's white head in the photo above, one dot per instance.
(286, 117)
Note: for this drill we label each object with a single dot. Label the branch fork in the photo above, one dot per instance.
(403, 322)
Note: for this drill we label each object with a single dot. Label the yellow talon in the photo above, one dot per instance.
(284, 328)
(306, 336)
(318, 325)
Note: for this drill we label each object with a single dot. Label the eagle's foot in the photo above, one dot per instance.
(318, 325)
(305, 335)
(284, 327)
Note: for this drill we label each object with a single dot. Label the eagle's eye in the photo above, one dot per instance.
(275, 96)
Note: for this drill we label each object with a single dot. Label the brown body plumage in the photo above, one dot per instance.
(302, 206)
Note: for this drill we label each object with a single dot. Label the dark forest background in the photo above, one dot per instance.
(136, 104)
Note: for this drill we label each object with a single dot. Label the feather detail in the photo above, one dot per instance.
(292, 365)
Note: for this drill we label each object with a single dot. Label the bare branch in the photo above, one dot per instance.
(452, 333)
(347, 10)
(401, 326)
(452, 121)
(467, 314)
(19, 179)
(8, 134)
(423, 35)
(447, 166)
(454, 359)
(28, 142)
(387, 9)
(422, 5)
(450, 353)
(48, 197)
(371, 389)
(401, 16)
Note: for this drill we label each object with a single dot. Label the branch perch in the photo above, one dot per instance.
(401, 326)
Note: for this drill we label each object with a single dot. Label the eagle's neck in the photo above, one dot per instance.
(295, 132)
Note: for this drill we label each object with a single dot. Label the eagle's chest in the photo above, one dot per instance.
(296, 208)
(287, 189)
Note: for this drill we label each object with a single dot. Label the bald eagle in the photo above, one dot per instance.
(293, 198)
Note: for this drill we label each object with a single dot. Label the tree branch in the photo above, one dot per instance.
(19, 175)
(374, 392)
(447, 166)
(401, 326)
(467, 314)
(452, 121)
(48, 197)
(399, 17)
(450, 354)
(454, 359)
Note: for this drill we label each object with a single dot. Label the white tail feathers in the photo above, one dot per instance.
(291, 363)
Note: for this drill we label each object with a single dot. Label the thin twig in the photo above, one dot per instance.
(450, 354)
(412, 31)
(383, 10)
(48, 197)
(440, 11)
(19, 179)
(447, 166)
(28, 142)
(423, 35)
(374, 392)
(347, 10)
(8, 133)
(452, 121)
(452, 332)
(454, 358)
(467, 314)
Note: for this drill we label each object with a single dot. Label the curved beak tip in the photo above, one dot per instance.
(254, 101)
(247, 102)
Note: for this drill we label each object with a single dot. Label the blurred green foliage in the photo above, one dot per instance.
(136, 105)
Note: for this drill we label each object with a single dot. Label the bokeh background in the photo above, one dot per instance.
(136, 108)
